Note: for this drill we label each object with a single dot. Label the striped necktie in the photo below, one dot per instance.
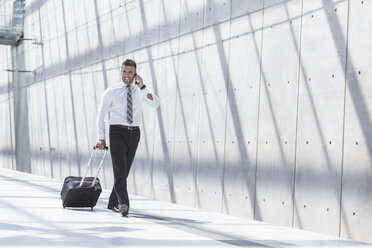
(129, 105)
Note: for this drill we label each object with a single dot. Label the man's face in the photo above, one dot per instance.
(127, 74)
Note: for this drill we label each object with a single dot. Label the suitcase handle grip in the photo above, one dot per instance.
(95, 147)
(88, 165)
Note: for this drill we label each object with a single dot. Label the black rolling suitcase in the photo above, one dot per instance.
(82, 191)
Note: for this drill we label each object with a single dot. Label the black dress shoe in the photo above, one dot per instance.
(114, 208)
(123, 209)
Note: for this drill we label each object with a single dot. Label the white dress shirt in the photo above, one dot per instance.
(114, 102)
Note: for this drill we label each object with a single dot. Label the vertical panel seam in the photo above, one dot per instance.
(298, 101)
(226, 104)
(68, 71)
(12, 145)
(344, 119)
(46, 103)
(85, 113)
(258, 111)
(176, 91)
(157, 113)
(297, 111)
(200, 66)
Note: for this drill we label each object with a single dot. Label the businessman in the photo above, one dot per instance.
(123, 101)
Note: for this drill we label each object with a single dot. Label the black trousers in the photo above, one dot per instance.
(123, 146)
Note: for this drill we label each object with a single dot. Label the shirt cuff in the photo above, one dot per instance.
(101, 136)
(145, 91)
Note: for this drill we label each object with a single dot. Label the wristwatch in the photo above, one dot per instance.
(143, 87)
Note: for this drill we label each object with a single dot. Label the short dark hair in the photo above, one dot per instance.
(129, 62)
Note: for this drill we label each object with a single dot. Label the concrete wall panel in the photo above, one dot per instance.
(277, 117)
(166, 72)
(7, 141)
(133, 18)
(169, 19)
(92, 43)
(52, 30)
(37, 26)
(98, 87)
(186, 119)
(69, 15)
(241, 117)
(149, 21)
(6, 127)
(114, 4)
(46, 60)
(73, 49)
(59, 20)
(65, 129)
(91, 105)
(216, 11)
(320, 117)
(110, 70)
(61, 53)
(192, 16)
(55, 53)
(273, 3)
(106, 33)
(119, 27)
(60, 167)
(33, 107)
(52, 127)
(70, 132)
(244, 7)
(356, 184)
(35, 143)
(82, 40)
(90, 10)
(40, 161)
(85, 121)
(79, 14)
(143, 165)
(214, 70)
(103, 7)
(78, 111)
(42, 15)
(11, 130)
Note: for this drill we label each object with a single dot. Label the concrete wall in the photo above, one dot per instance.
(265, 105)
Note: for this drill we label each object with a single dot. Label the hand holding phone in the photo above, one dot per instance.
(135, 79)
(138, 80)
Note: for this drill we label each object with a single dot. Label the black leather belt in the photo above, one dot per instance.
(127, 127)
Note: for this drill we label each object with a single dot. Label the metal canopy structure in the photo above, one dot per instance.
(11, 21)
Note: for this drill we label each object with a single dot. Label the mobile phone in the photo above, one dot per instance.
(135, 81)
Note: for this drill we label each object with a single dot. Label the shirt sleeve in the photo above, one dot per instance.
(102, 112)
(154, 103)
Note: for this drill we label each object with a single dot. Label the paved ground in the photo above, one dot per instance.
(31, 215)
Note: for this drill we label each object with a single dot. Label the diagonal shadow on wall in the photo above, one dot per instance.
(357, 97)
(46, 102)
(71, 92)
(159, 111)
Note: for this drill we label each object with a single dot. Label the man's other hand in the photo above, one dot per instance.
(101, 144)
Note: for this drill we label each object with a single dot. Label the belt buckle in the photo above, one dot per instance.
(131, 128)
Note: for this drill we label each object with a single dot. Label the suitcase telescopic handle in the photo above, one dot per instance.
(88, 165)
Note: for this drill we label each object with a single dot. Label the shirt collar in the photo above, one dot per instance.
(125, 85)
